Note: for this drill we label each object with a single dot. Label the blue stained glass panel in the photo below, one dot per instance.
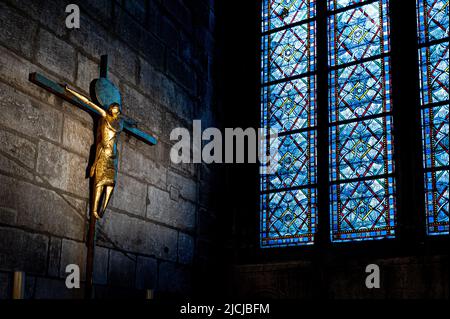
(433, 25)
(288, 218)
(437, 202)
(288, 53)
(434, 73)
(362, 195)
(358, 33)
(360, 90)
(296, 163)
(281, 13)
(432, 19)
(288, 97)
(361, 149)
(291, 104)
(363, 210)
(435, 136)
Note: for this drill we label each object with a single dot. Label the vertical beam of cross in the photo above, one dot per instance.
(92, 231)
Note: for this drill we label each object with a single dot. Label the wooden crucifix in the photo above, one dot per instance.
(105, 103)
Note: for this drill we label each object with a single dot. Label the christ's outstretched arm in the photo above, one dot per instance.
(101, 111)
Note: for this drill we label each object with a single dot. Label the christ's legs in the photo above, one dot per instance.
(96, 200)
(108, 193)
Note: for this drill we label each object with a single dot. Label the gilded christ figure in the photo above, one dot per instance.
(104, 168)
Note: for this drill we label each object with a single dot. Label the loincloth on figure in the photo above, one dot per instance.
(104, 171)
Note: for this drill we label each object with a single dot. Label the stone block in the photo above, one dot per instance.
(56, 289)
(101, 261)
(92, 38)
(73, 252)
(78, 114)
(15, 71)
(165, 91)
(174, 193)
(78, 136)
(146, 273)
(27, 116)
(17, 30)
(56, 55)
(42, 209)
(127, 28)
(54, 258)
(62, 169)
(87, 71)
(130, 195)
(122, 269)
(182, 73)
(19, 148)
(161, 208)
(186, 245)
(24, 251)
(141, 109)
(123, 61)
(8, 216)
(134, 163)
(50, 13)
(16, 156)
(137, 236)
(186, 186)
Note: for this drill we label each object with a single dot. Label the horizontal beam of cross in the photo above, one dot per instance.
(60, 91)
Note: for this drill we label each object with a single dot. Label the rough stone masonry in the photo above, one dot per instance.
(161, 57)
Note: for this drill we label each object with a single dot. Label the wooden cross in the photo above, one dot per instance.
(103, 95)
(59, 90)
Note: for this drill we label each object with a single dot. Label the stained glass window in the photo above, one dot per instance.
(288, 194)
(433, 26)
(362, 194)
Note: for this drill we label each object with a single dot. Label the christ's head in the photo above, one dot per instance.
(114, 109)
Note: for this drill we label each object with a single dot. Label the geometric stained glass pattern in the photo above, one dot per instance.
(362, 195)
(361, 149)
(297, 165)
(432, 19)
(360, 91)
(436, 196)
(281, 13)
(363, 210)
(358, 33)
(288, 218)
(433, 28)
(434, 73)
(289, 52)
(435, 137)
(288, 97)
(290, 104)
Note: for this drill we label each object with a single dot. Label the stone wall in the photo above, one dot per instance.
(411, 277)
(157, 232)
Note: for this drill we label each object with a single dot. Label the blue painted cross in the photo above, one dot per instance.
(105, 93)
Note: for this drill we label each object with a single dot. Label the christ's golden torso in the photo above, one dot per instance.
(104, 169)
